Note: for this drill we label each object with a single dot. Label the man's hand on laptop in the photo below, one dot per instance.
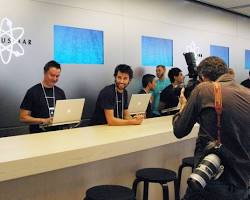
(46, 121)
(138, 119)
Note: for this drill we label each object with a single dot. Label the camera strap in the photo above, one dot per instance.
(218, 108)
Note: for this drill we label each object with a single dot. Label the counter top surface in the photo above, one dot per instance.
(36, 153)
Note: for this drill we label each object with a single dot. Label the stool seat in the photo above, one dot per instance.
(161, 176)
(188, 161)
(156, 175)
(108, 192)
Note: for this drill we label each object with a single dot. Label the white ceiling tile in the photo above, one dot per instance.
(230, 4)
(227, 3)
(245, 11)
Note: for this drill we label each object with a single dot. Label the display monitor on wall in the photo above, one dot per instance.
(155, 51)
(247, 59)
(78, 45)
(220, 51)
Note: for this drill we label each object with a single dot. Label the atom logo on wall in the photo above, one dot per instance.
(10, 40)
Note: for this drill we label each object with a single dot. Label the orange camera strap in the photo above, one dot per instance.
(218, 107)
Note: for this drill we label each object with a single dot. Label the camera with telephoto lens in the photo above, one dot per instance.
(210, 167)
(192, 73)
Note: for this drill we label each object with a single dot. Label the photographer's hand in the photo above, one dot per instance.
(182, 99)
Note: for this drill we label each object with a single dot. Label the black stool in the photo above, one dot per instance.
(186, 162)
(109, 192)
(156, 175)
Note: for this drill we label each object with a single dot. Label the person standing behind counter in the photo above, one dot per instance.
(246, 82)
(161, 84)
(112, 102)
(39, 101)
(169, 97)
(148, 84)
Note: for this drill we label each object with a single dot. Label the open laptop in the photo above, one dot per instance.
(138, 103)
(171, 111)
(68, 111)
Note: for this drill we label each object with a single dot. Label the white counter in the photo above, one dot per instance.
(27, 155)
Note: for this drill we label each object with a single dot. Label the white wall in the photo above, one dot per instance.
(179, 20)
(123, 23)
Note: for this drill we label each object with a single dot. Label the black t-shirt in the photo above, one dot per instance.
(108, 100)
(35, 101)
(170, 96)
(246, 83)
(149, 113)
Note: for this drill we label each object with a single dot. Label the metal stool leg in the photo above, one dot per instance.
(176, 190)
(145, 190)
(165, 192)
(135, 184)
(179, 178)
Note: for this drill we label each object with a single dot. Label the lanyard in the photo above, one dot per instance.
(117, 104)
(46, 98)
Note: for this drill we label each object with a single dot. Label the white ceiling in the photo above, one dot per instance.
(238, 6)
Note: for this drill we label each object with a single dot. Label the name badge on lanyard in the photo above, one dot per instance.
(51, 111)
(52, 108)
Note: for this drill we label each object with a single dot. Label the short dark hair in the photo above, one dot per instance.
(51, 64)
(173, 72)
(212, 68)
(162, 66)
(146, 79)
(123, 68)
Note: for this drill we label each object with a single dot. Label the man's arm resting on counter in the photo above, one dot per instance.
(113, 121)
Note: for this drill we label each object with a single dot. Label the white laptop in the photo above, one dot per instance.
(138, 103)
(68, 111)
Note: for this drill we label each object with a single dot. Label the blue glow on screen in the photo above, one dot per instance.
(78, 45)
(156, 51)
(247, 59)
(220, 51)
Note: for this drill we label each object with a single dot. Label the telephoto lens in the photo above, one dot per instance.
(209, 168)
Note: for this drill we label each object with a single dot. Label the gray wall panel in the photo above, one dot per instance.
(123, 23)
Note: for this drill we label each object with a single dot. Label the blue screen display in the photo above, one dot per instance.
(247, 59)
(78, 45)
(156, 51)
(220, 51)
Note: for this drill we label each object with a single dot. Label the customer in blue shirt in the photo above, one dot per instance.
(161, 84)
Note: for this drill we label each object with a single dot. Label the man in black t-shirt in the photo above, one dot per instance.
(246, 82)
(112, 102)
(148, 84)
(37, 107)
(170, 95)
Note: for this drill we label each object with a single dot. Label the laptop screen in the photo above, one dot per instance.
(68, 111)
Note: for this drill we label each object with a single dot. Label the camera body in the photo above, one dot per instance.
(209, 168)
(192, 73)
(191, 63)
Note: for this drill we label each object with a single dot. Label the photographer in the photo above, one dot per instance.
(234, 132)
